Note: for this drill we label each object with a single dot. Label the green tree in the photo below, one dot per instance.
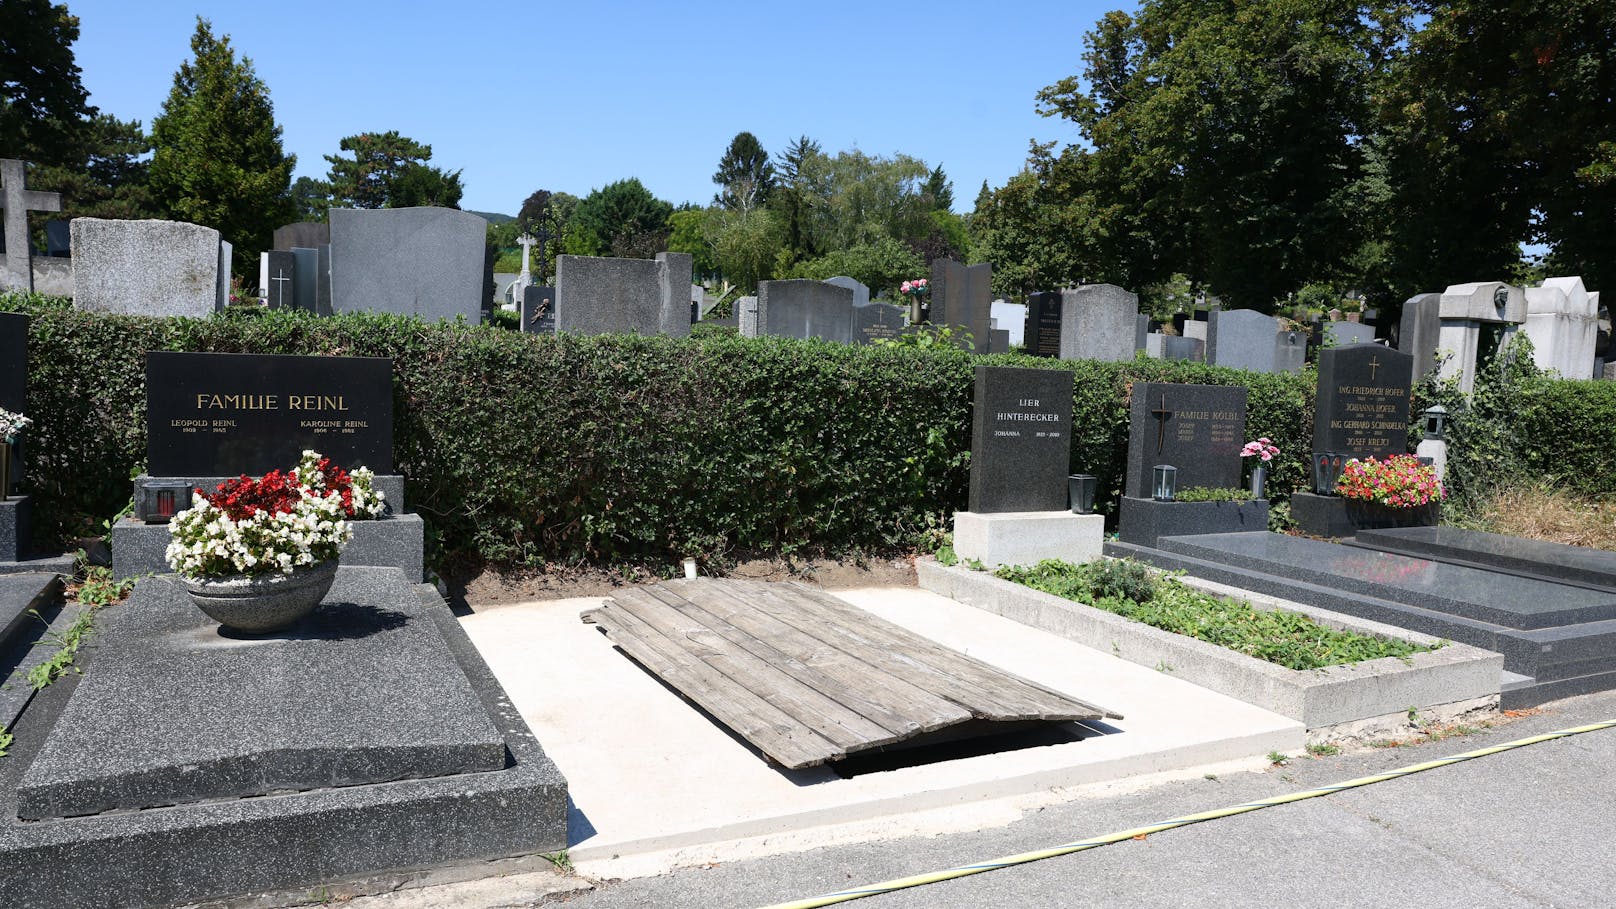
(389, 170)
(617, 219)
(745, 176)
(311, 199)
(746, 244)
(692, 230)
(939, 190)
(1044, 229)
(218, 159)
(106, 176)
(1227, 138)
(800, 194)
(882, 264)
(43, 103)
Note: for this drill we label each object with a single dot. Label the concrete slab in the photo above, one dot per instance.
(649, 775)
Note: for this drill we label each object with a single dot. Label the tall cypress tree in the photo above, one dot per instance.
(218, 159)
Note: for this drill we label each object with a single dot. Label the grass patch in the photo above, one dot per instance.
(1131, 590)
(1548, 513)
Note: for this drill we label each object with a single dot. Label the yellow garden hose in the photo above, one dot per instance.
(904, 883)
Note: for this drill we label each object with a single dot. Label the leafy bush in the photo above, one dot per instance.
(1212, 494)
(1130, 590)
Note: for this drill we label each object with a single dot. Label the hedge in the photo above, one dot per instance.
(526, 450)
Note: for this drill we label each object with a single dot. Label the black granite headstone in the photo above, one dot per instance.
(538, 309)
(1021, 439)
(878, 321)
(1042, 332)
(1198, 429)
(1363, 401)
(58, 239)
(220, 415)
(14, 362)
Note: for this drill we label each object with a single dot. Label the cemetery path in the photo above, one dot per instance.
(1528, 828)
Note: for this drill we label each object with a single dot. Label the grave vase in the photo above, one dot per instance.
(259, 604)
(1259, 482)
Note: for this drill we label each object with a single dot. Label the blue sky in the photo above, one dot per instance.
(573, 96)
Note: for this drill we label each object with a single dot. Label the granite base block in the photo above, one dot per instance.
(390, 485)
(16, 518)
(392, 542)
(1335, 517)
(284, 840)
(1028, 537)
(1144, 521)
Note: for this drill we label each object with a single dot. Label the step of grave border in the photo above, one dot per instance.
(51, 564)
(1373, 691)
(396, 541)
(1523, 651)
(228, 849)
(1597, 571)
(31, 649)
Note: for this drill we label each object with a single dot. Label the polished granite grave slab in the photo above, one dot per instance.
(1497, 552)
(1501, 599)
(356, 693)
(1541, 663)
(282, 840)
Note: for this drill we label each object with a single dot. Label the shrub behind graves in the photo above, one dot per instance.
(526, 449)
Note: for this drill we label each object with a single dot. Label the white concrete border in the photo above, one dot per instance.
(1453, 679)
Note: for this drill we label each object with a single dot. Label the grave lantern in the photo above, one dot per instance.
(1080, 489)
(1164, 482)
(1436, 420)
(157, 501)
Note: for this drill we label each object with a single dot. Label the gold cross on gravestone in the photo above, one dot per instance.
(1162, 414)
(1374, 364)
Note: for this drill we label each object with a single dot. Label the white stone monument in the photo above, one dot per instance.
(1562, 321)
(1464, 309)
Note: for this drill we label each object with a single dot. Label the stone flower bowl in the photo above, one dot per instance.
(258, 604)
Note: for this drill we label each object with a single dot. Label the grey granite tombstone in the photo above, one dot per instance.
(426, 262)
(148, 268)
(1020, 440)
(1290, 351)
(1154, 345)
(306, 279)
(861, 293)
(1098, 322)
(58, 239)
(539, 309)
(1342, 334)
(1362, 405)
(805, 309)
(1043, 331)
(302, 234)
(1012, 317)
(1140, 330)
(645, 296)
(322, 282)
(226, 254)
(14, 375)
(1242, 339)
(1180, 348)
(1198, 429)
(746, 313)
(961, 298)
(999, 340)
(878, 321)
(1199, 329)
(277, 278)
(1418, 330)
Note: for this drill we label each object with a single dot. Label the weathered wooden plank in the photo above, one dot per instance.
(892, 703)
(774, 732)
(987, 691)
(831, 720)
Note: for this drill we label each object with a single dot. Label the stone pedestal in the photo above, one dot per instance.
(395, 541)
(1144, 521)
(1337, 517)
(1028, 537)
(16, 515)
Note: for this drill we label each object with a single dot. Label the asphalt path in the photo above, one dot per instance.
(1532, 827)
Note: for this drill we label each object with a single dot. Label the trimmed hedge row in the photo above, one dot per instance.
(523, 449)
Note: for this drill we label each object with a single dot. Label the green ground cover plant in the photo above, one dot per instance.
(1132, 590)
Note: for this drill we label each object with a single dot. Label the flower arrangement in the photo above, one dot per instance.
(914, 289)
(1263, 448)
(278, 522)
(1399, 481)
(12, 425)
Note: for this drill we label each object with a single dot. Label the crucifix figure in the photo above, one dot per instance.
(1374, 364)
(280, 289)
(18, 201)
(1162, 414)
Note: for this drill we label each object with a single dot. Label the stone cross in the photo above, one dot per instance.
(18, 201)
(525, 279)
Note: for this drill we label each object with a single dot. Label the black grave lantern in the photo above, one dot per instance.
(1436, 421)
(1080, 488)
(158, 501)
(1163, 482)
